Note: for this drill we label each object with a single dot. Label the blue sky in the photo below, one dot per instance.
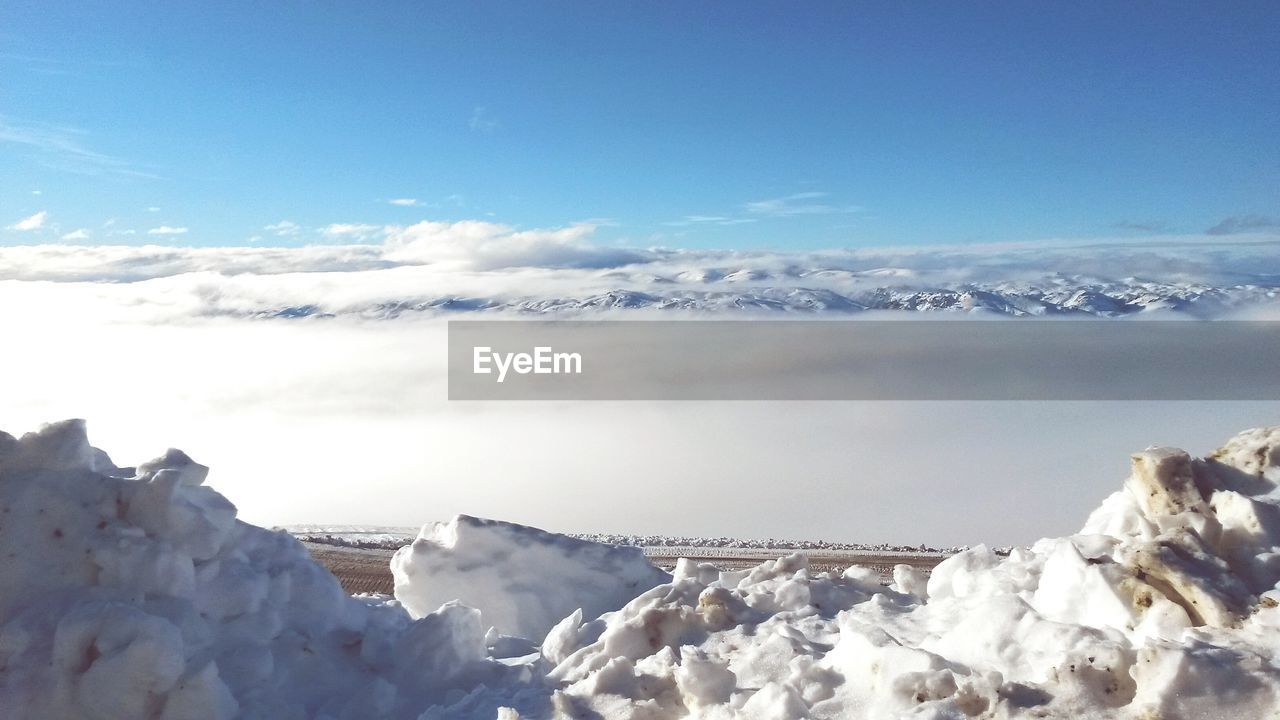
(691, 124)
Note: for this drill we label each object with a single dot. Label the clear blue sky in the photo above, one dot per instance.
(694, 124)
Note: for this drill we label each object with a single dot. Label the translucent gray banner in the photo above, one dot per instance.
(864, 360)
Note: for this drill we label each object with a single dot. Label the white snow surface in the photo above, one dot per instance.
(137, 594)
(523, 580)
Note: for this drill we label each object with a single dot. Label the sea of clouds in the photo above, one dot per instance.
(486, 264)
(344, 419)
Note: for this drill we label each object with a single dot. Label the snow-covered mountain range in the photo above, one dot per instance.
(517, 274)
(1052, 296)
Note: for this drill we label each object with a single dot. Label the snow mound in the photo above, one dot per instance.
(137, 594)
(521, 579)
(1164, 606)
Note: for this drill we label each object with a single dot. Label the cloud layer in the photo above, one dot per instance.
(439, 267)
(473, 246)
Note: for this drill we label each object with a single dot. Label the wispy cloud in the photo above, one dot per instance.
(284, 228)
(689, 220)
(38, 64)
(599, 222)
(1244, 223)
(482, 120)
(80, 234)
(804, 203)
(62, 148)
(1153, 227)
(405, 202)
(153, 209)
(33, 222)
(47, 65)
(167, 230)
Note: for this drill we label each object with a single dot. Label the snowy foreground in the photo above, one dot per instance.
(137, 594)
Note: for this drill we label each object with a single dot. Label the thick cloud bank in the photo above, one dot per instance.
(434, 268)
(136, 593)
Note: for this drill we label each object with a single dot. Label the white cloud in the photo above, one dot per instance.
(153, 209)
(487, 246)
(33, 222)
(482, 120)
(37, 192)
(352, 231)
(80, 234)
(284, 228)
(405, 202)
(805, 203)
(167, 230)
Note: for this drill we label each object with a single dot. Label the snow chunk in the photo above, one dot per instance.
(523, 580)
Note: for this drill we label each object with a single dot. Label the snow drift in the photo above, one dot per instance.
(136, 593)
